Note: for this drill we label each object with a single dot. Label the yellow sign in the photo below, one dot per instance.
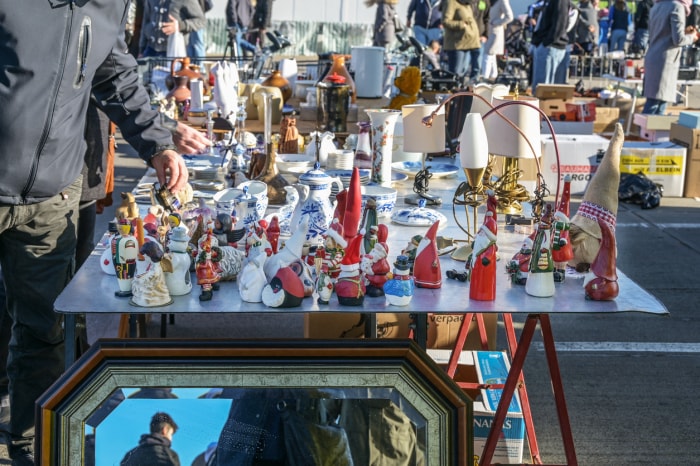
(657, 165)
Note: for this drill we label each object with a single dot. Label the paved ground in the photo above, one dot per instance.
(629, 379)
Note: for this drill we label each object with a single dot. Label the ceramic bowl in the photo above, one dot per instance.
(197, 117)
(383, 196)
(294, 163)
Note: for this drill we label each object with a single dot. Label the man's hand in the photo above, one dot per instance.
(190, 141)
(169, 27)
(170, 170)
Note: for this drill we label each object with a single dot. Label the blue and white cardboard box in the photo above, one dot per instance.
(491, 368)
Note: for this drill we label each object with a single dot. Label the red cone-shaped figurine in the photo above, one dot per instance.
(562, 252)
(353, 207)
(482, 273)
(601, 282)
(426, 266)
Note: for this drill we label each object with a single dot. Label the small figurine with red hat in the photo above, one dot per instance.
(207, 272)
(519, 265)
(375, 264)
(329, 256)
(350, 286)
(482, 266)
(426, 266)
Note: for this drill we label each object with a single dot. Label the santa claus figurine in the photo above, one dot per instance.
(519, 264)
(593, 227)
(561, 246)
(482, 268)
(350, 287)
(375, 264)
(426, 266)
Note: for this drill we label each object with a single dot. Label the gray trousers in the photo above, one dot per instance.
(37, 250)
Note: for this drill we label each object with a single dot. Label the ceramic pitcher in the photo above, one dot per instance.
(315, 188)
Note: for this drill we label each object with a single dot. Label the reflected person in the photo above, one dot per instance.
(154, 448)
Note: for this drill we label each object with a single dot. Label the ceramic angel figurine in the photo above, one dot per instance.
(149, 288)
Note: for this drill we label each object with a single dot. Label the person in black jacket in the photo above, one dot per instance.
(154, 448)
(549, 40)
(427, 20)
(45, 100)
(640, 42)
(262, 17)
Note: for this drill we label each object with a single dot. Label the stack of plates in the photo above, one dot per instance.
(294, 163)
(345, 175)
(205, 173)
(340, 160)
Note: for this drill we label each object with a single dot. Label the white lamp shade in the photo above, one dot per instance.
(504, 140)
(473, 143)
(418, 137)
(488, 92)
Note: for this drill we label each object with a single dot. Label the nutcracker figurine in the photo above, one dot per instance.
(125, 250)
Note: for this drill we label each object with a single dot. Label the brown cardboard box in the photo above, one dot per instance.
(550, 106)
(350, 325)
(689, 138)
(442, 328)
(605, 119)
(555, 91)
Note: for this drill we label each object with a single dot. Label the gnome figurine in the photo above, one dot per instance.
(599, 203)
(350, 287)
(601, 281)
(426, 266)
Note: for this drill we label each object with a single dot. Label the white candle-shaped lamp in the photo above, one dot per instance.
(418, 137)
(474, 149)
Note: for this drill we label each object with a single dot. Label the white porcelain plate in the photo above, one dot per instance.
(438, 170)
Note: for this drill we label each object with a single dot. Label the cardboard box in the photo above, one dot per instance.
(624, 105)
(583, 111)
(555, 91)
(489, 367)
(689, 119)
(443, 330)
(551, 106)
(351, 325)
(654, 128)
(605, 119)
(579, 156)
(690, 139)
(567, 127)
(661, 162)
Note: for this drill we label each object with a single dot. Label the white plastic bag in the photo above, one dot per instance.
(176, 45)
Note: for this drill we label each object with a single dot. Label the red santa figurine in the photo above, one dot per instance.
(482, 269)
(350, 287)
(561, 246)
(375, 264)
(426, 266)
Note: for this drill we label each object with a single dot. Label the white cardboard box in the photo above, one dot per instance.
(490, 367)
(579, 156)
(567, 127)
(662, 162)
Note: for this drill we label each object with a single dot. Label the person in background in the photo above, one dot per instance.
(586, 28)
(667, 35)
(384, 21)
(262, 19)
(196, 45)
(239, 17)
(604, 27)
(693, 19)
(461, 35)
(641, 26)
(425, 18)
(500, 15)
(620, 22)
(40, 186)
(155, 448)
(562, 74)
(481, 10)
(162, 18)
(550, 40)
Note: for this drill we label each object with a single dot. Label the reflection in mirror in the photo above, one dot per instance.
(231, 425)
(234, 399)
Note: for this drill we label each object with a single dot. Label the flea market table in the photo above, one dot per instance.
(91, 291)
